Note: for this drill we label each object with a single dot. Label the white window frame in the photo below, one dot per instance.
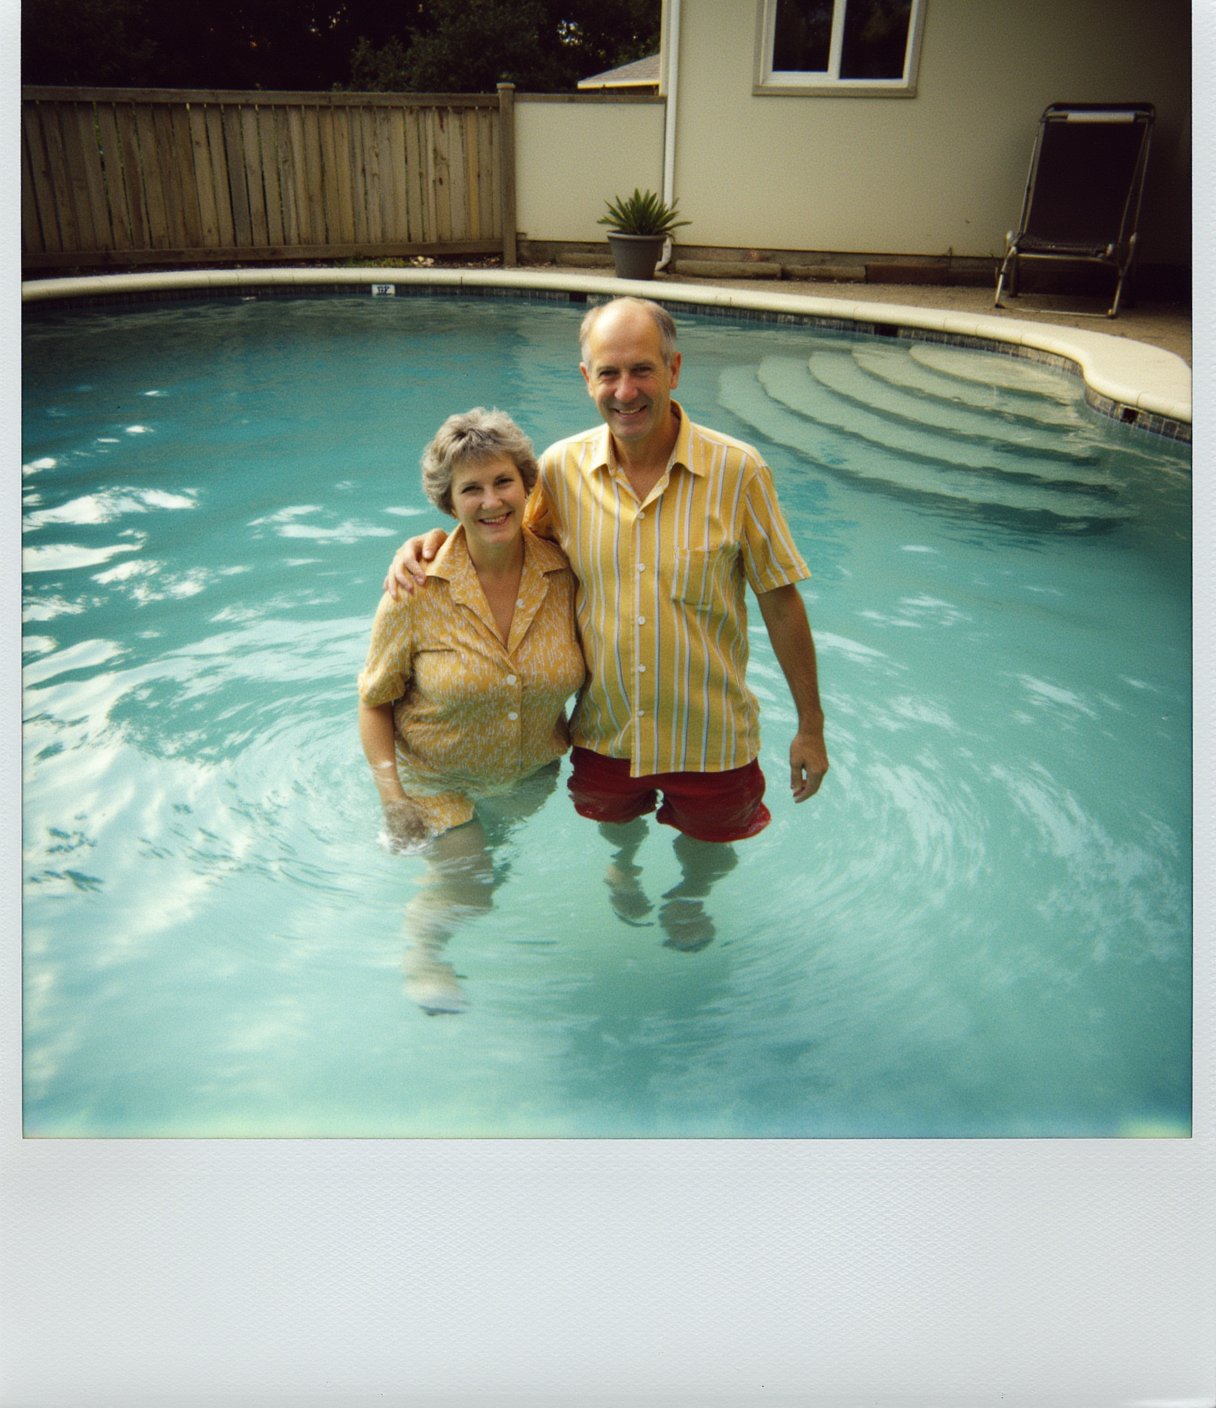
(828, 83)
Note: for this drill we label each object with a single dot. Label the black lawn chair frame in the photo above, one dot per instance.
(1083, 192)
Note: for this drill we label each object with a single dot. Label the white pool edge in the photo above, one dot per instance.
(1129, 374)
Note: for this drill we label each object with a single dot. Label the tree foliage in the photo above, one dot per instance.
(411, 45)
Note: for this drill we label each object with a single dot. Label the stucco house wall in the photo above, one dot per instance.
(938, 173)
(573, 154)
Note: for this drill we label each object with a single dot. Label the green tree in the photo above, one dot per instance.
(95, 42)
(410, 45)
(542, 46)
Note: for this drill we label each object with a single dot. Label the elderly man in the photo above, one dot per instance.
(665, 522)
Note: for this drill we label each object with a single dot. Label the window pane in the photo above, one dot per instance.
(802, 38)
(875, 38)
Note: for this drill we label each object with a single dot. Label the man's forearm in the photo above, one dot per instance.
(789, 631)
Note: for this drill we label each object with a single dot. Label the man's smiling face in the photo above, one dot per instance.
(627, 377)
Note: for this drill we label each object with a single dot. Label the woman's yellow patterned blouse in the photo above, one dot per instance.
(473, 716)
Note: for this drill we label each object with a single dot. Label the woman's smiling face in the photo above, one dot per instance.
(488, 500)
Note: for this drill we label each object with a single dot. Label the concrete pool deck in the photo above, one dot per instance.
(1135, 367)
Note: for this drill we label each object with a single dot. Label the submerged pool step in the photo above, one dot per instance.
(989, 390)
(1017, 376)
(743, 395)
(833, 391)
(975, 419)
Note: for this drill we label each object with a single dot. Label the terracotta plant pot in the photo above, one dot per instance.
(635, 256)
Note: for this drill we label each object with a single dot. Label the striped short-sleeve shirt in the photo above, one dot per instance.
(661, 594)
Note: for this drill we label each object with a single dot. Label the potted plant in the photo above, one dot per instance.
(638, 226)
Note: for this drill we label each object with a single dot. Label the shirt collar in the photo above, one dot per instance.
(681, 453)
(453, 563)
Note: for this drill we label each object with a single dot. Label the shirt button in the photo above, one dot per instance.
(519, 601)
(510, 679)
(512, 716)
(641, 669)
(641, 567)
(641, 620)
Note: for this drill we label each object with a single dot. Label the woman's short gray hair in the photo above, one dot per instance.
(473, 438)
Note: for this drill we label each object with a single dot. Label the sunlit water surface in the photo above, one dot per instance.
(980, 927)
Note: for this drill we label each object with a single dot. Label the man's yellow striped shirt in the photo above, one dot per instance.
(661, 594)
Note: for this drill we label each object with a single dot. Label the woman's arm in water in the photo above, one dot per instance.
(378, 736)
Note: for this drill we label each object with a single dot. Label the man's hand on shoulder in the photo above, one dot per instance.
(407, 572)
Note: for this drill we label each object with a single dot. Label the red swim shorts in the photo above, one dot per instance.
(708, 806)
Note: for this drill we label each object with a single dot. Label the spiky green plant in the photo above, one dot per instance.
(642, 213)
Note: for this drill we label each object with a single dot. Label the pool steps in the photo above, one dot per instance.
(897, 379)
(831, 388)
(930, 421)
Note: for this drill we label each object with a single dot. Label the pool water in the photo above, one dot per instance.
(979, 927)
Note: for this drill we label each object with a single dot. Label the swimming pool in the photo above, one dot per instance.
(980, 927)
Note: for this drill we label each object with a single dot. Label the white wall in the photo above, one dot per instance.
(574, 155)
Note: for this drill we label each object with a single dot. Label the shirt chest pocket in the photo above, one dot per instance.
(702, 575)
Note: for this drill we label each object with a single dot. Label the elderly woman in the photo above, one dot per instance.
(463, 696)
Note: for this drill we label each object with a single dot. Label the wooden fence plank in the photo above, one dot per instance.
(272, 186)
(76, 162)
(358, 176)
(93, 175)
(426, 149)
(331, 174)
(371, 176)
(234, 151)
(314, 174)
(441, 148)
(399, 222)
(415, 177)
(491, 173)
(133, 176)
(31, 227)
(204, 180)
(457, 198)
(221, 196)
(187, 177)
(289, 178)
(170, 177)
(255, 184)
(33, 124)
(468, 175)
(384, 168)
(61, 180)
(344, 177)
(115, 177)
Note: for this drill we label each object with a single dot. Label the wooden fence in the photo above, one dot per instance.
(132, 176)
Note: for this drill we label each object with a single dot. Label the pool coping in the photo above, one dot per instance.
(1133, 382)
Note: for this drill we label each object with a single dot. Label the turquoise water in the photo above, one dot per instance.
(980, 927)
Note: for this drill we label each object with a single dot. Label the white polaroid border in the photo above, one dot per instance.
(728, 1273)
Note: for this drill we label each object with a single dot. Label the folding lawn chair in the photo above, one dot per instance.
(1082, 200)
